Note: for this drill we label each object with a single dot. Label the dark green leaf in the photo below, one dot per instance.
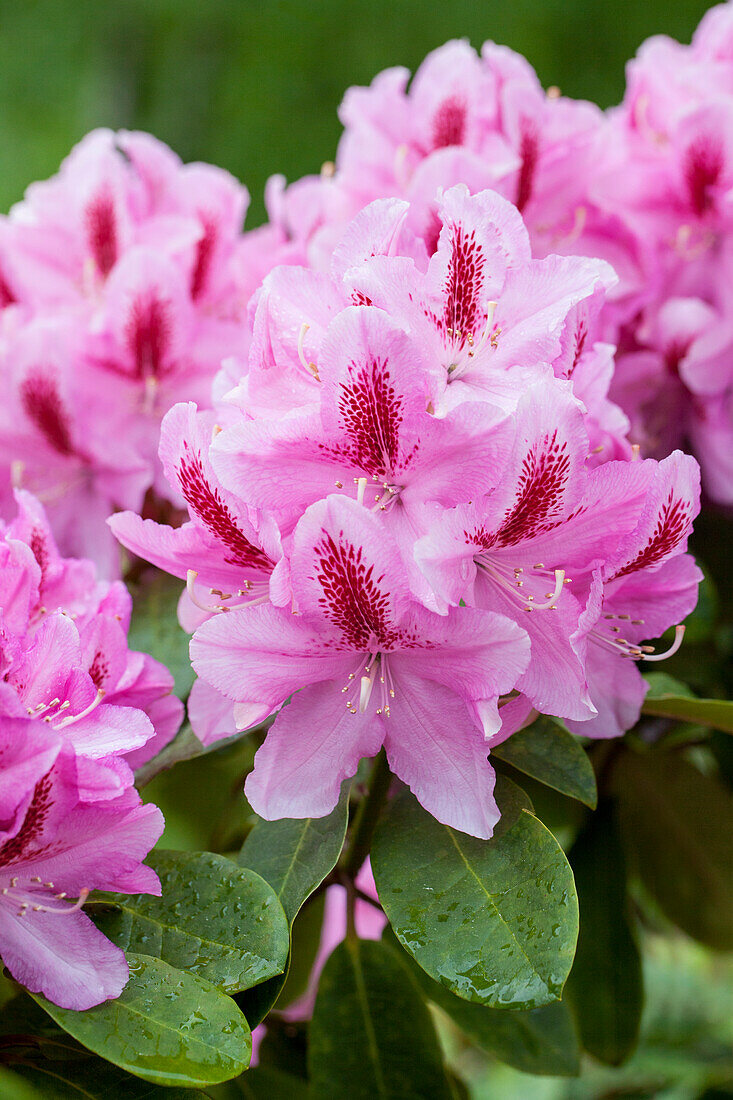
(539, 1041)
(266, 1083)
(13, 1087)
(168, 1027)
(371, 1035)
(668, 698)
(91, 1079)
(214, 919)
(605, 984)
(305, 939)
(548, 752)
(495, 921)
(678, 824)
(295, 854)
(154, 628)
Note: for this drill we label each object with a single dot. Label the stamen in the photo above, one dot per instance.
(77, 717)
(151, 393)
(310, 367)
(551, 597)
(17, 468)
(679, 633)
(490, 311)
(361, 483)
(83, 895)
(635, 451)
(191, 576)
(367, 683)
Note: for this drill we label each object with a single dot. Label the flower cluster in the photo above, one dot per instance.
(78, 711)
(403, 532)
(668, 173)
(647, 186)
(122, 285)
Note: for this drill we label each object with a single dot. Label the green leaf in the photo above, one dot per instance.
(305, 937)
(548, 752)
(493, 920)
(541, 1041)
(605, 984)
(677, 824)
(668, 698)
(168, 1027)
(371, 1035)
(90, 1079)
(214, 919)
(184, 746)
(154, 627)
(13, 1087)
(295, 854)
(267, 1083)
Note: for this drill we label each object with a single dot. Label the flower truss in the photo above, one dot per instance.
(416, 520)
(78, 711)
(122, 285)
(647, 186)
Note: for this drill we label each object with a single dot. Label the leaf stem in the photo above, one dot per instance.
(366, 817)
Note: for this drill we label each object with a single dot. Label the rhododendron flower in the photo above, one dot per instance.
(374, 669)
(126, 286)
(56, 846)
(646, 586)
(64, 656)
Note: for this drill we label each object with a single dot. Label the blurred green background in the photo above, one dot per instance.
(253, 85)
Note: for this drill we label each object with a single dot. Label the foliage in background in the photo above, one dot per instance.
(253, 85)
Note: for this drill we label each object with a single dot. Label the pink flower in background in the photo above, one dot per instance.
(55, 846)
(128, 288)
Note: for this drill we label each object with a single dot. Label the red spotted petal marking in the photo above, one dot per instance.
(581, 335)
(463, 313)
(204, 255)
(206, 502)
(43, 405)
(702, 166)
(539, 500)
(528, 153)
(7, 297)
(21, 844)
(359, 299)
(148, 333)
(673, 524)
(371, 411)
(101, 227)
(99, 669)
(449, 123)
(352, 597)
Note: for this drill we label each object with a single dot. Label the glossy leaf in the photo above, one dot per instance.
(15, 1087)
(154, 627)
(494, 921)
(267, 1083)
(167, 1026)
(677, 824)
(371, 1035)
(668, 698)
(548, 752)
(295, 854)
(90, 1079)
(539, 1041)
(605, 984)
(214, 919)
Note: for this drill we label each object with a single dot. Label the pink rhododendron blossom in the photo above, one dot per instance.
(125, 285)
(666, 171)
(402, 516)
(64, 656)
(56, 845)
